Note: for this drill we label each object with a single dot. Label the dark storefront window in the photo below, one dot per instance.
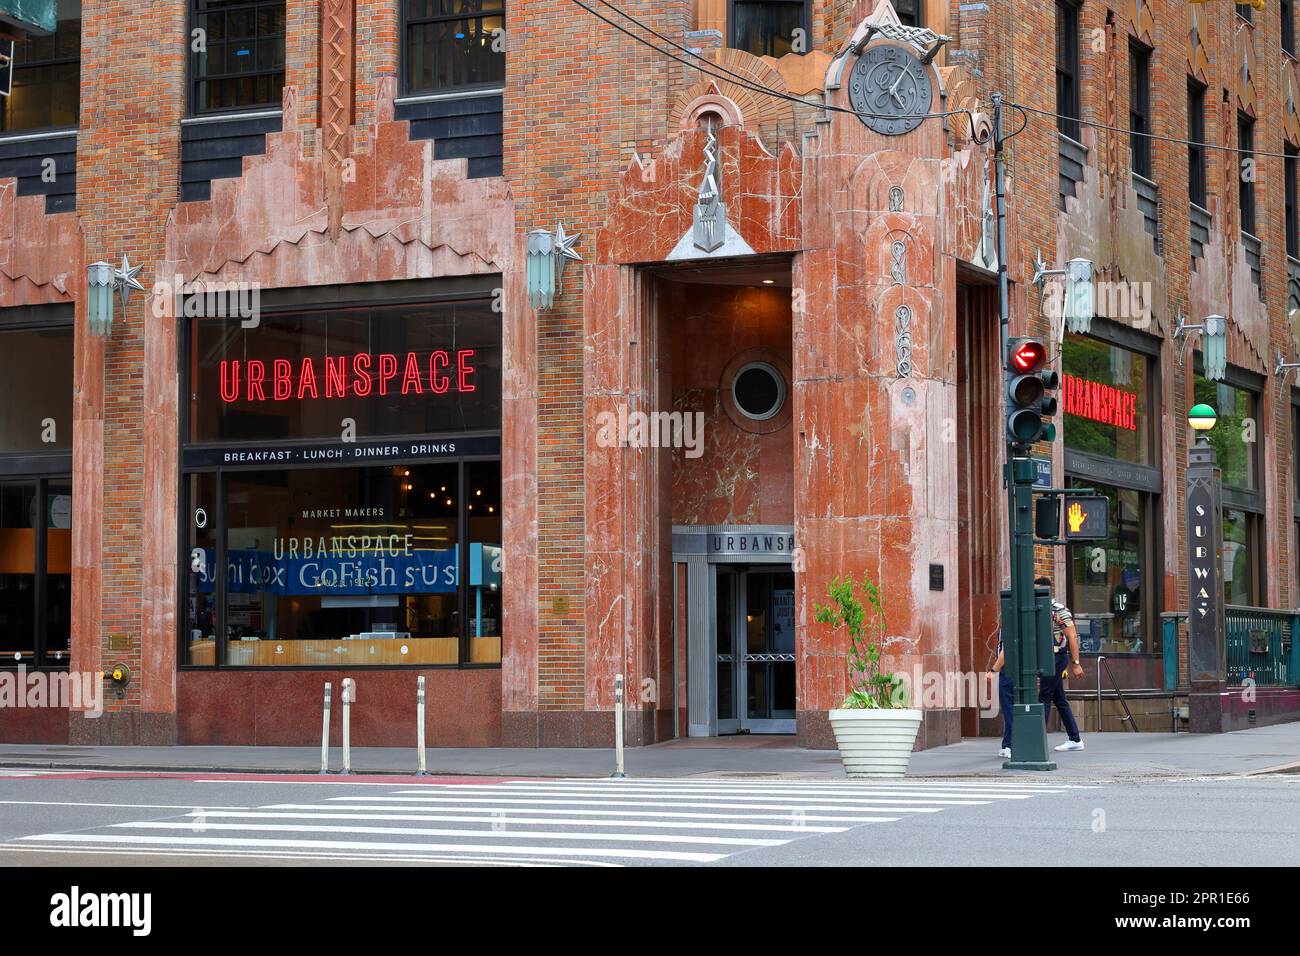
(36, 364)
(237, 54)
(336, 558)
(1108, 402)
(46, 90)
(1286, 9)
(452, 44)
(351, 566)
(1236, 440)
(767, 27)
(1067, 68)
(35, 572)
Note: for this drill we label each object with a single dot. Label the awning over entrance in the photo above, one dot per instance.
(30, 16)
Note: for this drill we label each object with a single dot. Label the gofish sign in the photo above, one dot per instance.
(345, 376)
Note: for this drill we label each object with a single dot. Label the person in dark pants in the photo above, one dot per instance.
(1006, 698)
(1051, 689)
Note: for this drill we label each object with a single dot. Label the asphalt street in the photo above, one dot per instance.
(79, 818)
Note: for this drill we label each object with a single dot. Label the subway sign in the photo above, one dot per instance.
(1087, 517)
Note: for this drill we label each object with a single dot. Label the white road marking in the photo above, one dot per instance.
(557, 822)
(600, 852)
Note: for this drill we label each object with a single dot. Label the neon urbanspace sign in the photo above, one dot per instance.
(348, 376)
(1098, 402)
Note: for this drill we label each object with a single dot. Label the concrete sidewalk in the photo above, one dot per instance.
(1108, 756)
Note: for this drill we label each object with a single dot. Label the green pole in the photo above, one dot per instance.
(1028, 730)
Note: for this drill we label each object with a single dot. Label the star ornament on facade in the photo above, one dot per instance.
(564, 244)
(124, 279)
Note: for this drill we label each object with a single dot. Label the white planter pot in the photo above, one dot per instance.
(875, 743)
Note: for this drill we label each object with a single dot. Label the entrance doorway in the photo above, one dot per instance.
(755, 650)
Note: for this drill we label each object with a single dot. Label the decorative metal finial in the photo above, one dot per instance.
(710, 228)
(124, 279)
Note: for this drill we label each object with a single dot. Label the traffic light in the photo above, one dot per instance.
(1029, 383)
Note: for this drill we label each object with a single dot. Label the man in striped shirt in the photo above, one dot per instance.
(1051, 689)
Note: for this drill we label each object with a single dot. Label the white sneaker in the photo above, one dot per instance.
(1070, 745)
(1005, 753)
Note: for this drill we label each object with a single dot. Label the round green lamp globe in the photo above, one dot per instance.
(1202, 417)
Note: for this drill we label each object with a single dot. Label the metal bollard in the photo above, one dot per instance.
(618, 726)
(325, 732)
(349, 695)
(419, 727)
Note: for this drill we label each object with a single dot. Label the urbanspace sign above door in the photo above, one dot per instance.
(744, 543)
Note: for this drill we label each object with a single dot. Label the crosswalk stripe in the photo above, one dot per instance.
(716, 804)
(533, 808)
(739, 793)
(446, 832)
(534, 822)
(538, 821)
(386, 846)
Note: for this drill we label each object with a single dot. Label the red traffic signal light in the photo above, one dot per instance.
(1028, 356)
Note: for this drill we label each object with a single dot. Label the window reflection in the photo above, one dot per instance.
(486, 561)
(58, 571)
(343, 566)
(1107, 578)
(18, 509)
(1238, 562)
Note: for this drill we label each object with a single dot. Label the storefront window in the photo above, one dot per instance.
(58, 572)
(19, 506)
(486, 559)
(343, 566)
(35, 594)
(344, 493)
(1103, 400)
(201, 579)
(1108, 578)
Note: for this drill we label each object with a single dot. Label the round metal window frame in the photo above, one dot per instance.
(783, 391)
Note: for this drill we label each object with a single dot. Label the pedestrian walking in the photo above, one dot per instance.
(1051, 689)
(1006, 698)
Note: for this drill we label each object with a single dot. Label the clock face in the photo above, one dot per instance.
(890, 89)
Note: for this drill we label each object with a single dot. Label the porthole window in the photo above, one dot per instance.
(759, 391)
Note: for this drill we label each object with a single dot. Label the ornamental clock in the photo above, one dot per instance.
(890, 89)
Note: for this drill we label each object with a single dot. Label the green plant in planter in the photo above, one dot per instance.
(869, 689)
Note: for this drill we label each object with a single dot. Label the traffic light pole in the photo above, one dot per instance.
(1019, 628)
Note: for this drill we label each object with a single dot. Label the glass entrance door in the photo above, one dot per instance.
(755, 651)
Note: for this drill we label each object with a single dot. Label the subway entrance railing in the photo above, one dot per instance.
(1261, 644)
